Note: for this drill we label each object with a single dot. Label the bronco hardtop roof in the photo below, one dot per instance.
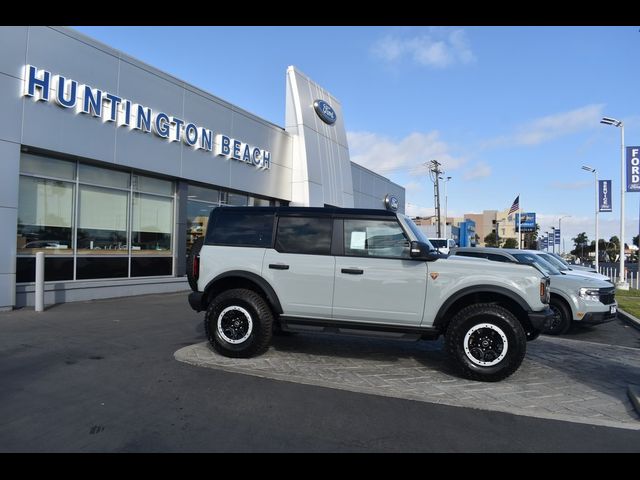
(308, 210)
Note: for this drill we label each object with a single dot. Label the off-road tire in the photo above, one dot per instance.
(561, 321)
(253, 333)
(485, 342)
(195, 250)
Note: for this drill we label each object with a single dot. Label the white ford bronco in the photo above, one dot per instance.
(260, 270)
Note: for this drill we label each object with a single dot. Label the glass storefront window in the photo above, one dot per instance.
(102, 221)
(234, 199)
(151, 185)
(45, 216)
(152, 224)
(197, 220)
(259, 202)
(99, 222)
(202, 194)
(200, 202)
(47, 167)
(103, 176)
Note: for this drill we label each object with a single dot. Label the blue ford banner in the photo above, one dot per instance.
(557, 237)
(604, 195)
(633, 169)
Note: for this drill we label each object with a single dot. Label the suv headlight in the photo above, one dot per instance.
(592, 294)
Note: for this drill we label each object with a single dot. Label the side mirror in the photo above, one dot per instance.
(421, 251)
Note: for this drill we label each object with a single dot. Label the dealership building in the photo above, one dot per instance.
(111, 167)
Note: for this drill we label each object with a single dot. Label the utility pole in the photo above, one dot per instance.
(434, 171)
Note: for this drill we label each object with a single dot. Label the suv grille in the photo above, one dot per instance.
(607, 295)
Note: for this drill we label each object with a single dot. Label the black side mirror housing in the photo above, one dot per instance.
(422, 251)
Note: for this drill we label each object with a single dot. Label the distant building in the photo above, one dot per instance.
(464, 229)
(467, 233)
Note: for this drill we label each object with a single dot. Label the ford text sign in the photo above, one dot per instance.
(43, 86)
(633, 169)
(325, 112)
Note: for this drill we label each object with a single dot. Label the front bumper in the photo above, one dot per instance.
(595, 318)
(540, 320)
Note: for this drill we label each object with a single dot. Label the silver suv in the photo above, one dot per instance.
(265, 270)
(574, 298)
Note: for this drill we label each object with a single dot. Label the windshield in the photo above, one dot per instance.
(560, 259)
(419, 234)
(541, 263)
(554, 261)
(436, 242)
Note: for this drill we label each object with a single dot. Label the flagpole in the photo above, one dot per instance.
(519, 225)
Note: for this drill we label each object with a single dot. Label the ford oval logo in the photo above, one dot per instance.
(391, 203)
(325, 112)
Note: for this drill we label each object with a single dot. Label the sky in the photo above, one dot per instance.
(507, 111)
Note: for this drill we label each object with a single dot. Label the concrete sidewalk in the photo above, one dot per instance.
(559, 379)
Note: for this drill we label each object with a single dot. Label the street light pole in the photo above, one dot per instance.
(622, 283)
(434, 171)
(595, 173)
(446, 201)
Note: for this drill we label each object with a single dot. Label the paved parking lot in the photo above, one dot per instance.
(560, 378)
(101, 376)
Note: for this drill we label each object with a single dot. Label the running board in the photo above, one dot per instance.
(298, 324)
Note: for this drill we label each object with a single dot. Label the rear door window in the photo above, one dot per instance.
(307, 235)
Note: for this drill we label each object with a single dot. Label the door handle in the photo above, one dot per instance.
(279, 266)
(352, 271)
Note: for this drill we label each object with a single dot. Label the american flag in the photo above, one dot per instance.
(516, 205)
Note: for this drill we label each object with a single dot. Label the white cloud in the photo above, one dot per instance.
(550, 127)
(386, 155)
(480, 170)
(438, 48)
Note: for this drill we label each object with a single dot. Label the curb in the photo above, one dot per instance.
(634, 396)
(628, 318)
(632, 392)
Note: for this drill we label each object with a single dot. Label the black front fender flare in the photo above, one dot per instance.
(440, 319)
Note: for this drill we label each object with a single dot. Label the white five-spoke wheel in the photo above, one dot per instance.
(485, 344)
(234, 324)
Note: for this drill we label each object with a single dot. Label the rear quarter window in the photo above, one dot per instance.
(242, 229)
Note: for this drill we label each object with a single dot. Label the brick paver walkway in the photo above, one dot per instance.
(559, 378)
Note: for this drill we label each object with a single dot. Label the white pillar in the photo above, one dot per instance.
(39, 300)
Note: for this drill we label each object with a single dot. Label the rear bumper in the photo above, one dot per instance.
(540, 320)
(595, 318)
(197, 300)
